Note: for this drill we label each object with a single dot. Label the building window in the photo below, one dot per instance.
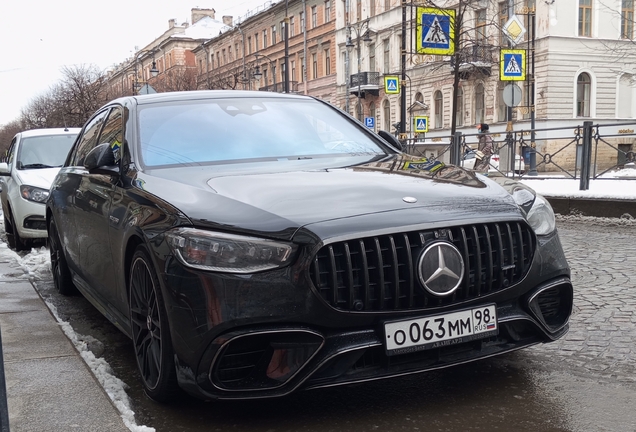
(359, 10)
(302, 69)
(386, 115)
(327, 11)
(583, 92)
(459, 107)
(627, 19)
(480, 26)
(291, 26)
(327, 62)
(264, 39)
(372, 65)
(265, 80)
(302, 22)
(387, 6)
(224, 57)
(229, 53)
(479, 104)
(585, 18)
(249, 44)
(293, 71)
(256, 42)
(439, 109)
(314, 65)
(372, 110)
(237, 50)
(387, 55)
(274, 34)
(503, 19)
(314, 17)
(372, 8)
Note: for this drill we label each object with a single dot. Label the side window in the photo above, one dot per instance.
(113, 132)
(11, 151)
(89, 139)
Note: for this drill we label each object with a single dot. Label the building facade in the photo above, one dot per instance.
(251, 55)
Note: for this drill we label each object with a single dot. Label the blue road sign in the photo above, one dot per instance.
(369, 122)
(435, 31)
(512, 65)
(391, 84)
(420, 124)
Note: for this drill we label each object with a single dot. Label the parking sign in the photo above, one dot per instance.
(369, 122)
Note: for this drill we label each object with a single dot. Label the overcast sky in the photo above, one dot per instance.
(39, 37)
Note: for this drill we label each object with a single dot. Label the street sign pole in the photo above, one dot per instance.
(403, 67)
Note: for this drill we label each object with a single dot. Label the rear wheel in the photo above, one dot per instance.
(59, 268)
(150, 330)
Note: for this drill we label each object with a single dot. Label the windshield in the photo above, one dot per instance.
(240, 129)
(44, 151)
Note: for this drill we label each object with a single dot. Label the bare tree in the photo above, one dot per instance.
(7, 132)
(178, 78)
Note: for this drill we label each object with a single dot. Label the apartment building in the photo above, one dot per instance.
(168, 63)
(251, 55)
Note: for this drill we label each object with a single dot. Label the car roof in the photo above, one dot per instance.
(49, 131)
(208, 94)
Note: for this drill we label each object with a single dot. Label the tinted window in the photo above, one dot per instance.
(113, 132)
(89, 139)
(240, 129)
(44, 151)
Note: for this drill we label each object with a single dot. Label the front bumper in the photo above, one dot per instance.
(267, 335)
(29, 218)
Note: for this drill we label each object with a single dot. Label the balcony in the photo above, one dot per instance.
(475, 60)
(365, 82)
(279, 87)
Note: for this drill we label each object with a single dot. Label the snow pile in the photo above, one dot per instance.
(37, 266)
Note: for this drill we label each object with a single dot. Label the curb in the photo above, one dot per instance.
(610, 208)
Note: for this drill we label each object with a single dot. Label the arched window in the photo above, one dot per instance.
(625, 97)
(439, 109)
(583, 94)
(479, 104)
(459, 107)
(386, 115)
(419, 97)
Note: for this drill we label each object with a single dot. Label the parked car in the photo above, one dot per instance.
(469, 160)
(33, 159)
(252, 244)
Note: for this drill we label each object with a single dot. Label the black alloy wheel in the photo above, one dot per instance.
(61, 274)
(150, 330)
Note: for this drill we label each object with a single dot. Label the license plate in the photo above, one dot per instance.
(441, 330)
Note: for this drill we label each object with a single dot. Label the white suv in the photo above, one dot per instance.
(33, 160)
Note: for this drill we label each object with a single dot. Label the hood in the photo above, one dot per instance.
(41, 177)
(383, 194)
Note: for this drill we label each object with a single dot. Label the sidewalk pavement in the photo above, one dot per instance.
(49, 386)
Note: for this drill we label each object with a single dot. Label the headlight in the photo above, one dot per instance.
(34, 194)
(541, 216)
(213, 251)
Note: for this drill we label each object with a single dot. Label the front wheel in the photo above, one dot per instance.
(150, 330)
(13, 236)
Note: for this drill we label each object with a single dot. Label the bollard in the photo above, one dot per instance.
(4, 409)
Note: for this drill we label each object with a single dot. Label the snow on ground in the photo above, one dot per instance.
(37, 266)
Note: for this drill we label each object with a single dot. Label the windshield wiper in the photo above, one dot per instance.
(36, 165)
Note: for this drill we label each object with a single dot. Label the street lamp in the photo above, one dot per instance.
(153, 68)
(257, 70)
(361, 30)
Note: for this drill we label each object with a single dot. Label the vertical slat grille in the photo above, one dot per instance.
(380, 273)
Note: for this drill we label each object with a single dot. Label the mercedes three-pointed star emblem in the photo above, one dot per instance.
(441, 268)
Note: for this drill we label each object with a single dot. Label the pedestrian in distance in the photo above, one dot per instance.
(484, 149)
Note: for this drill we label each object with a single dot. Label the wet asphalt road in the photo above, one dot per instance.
(584, 382)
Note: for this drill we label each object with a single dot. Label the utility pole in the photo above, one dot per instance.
(403, 67)
(533, 151)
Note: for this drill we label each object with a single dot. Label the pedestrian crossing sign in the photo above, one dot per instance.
(391, 84)
(435, 31)
(512, 65)
(420, 124)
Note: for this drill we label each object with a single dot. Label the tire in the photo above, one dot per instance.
(8, 229)
(150, 330)
(13, 236)
(61, 274)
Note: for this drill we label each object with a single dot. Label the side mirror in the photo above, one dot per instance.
(102, 158)
(4, 169)
(391, 139)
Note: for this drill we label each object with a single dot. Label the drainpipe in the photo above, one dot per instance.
(347, 65)
(305, 45)
(238, 27)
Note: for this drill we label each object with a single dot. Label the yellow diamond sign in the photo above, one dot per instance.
(514, 30)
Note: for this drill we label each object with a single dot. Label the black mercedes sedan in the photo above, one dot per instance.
(253, 244)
